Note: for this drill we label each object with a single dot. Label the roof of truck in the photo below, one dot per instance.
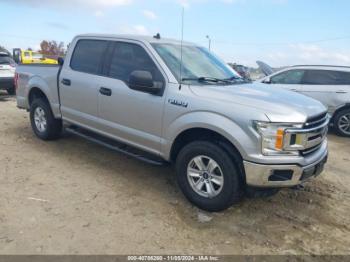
(142, 38)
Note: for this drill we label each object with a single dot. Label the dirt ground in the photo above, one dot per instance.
(74, 197)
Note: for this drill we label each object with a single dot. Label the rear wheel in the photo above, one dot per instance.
(11, 91)
(44, 125)
(207, 176)
(342, 122)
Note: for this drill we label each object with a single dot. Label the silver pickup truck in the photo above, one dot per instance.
(166, 102)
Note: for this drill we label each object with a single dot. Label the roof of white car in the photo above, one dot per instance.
(321, 67)
(141, 38)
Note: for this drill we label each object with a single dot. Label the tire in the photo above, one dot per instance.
(226, 172)
(11, 91)
(52, 129)
(342, 122)
(253, 192)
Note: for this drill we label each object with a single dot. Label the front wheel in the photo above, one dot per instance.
(342, 122)
(44, 125)
(208, 177)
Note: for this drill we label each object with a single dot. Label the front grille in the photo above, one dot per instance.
(310, 150)
(309, 138)
(316, 120)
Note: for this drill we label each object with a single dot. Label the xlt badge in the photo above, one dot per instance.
(178, 103)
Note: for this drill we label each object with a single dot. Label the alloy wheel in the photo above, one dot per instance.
(205, 176)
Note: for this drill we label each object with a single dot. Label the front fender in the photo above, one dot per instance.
(239, 137)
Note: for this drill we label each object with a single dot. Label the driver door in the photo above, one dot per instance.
(132, 116)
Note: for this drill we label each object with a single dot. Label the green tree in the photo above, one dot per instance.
(3, 49)
(52, 48)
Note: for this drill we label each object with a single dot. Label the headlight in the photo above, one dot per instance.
(273, 137)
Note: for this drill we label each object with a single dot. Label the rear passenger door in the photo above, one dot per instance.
(290, 80)
(332, 88)
(132, 116)
(80, 80)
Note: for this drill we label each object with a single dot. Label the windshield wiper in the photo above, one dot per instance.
(238, 79)
(207, 79)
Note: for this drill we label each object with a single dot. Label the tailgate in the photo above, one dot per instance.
(7, 70)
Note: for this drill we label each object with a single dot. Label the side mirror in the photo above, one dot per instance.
(267, 80)
(143, 81)
(60, 61)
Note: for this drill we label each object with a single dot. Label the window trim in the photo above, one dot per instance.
(103, 57)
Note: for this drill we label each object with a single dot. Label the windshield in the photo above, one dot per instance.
(198, 62)
(37, 56)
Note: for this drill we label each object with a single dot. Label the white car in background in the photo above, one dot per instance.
(328, 84)
(7, 73)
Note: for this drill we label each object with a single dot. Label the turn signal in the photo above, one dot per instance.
(279, 139)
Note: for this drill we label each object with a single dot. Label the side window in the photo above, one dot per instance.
(87, 56)
(326, 77)
(343, 78)
(292, 77)
(129, 57)
(26, 54)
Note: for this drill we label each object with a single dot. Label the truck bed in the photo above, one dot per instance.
(41, 76)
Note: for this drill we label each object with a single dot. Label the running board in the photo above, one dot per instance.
(116, 146)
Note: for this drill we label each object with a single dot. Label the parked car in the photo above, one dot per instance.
(242, 70)
(7, 73)
(224, 136)
(328, 84)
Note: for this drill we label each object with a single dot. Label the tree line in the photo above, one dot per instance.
(47, 48)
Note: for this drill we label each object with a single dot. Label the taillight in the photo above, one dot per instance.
(16, 80)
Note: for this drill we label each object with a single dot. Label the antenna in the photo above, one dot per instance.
(182, 39)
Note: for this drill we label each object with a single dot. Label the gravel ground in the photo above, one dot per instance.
(74, 197)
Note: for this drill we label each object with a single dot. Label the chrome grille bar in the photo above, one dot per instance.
(307, 139)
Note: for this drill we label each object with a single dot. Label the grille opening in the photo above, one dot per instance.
(315, 137)
(316, 120)
(281, 175)
(310, 150)
(293, 139)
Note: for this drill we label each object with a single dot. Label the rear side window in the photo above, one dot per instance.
(6, 60)
(326, 77)
(129, 57)
(291, 77)
(88, 55)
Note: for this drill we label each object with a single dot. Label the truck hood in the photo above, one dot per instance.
(277, 104)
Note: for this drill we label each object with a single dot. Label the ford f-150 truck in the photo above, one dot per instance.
(165, 101)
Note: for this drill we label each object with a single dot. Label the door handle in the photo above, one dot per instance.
(105, 91)
(294, 90)
(341, 92)
(66, 82)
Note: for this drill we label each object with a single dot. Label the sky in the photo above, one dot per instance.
(279, 32)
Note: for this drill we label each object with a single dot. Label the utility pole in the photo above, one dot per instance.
(209, 39)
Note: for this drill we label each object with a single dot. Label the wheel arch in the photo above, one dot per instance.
(341, 108)
(205, 134)
(35, 93)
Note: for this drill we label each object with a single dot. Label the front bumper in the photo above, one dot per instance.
(6, 83)
(263, 175)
